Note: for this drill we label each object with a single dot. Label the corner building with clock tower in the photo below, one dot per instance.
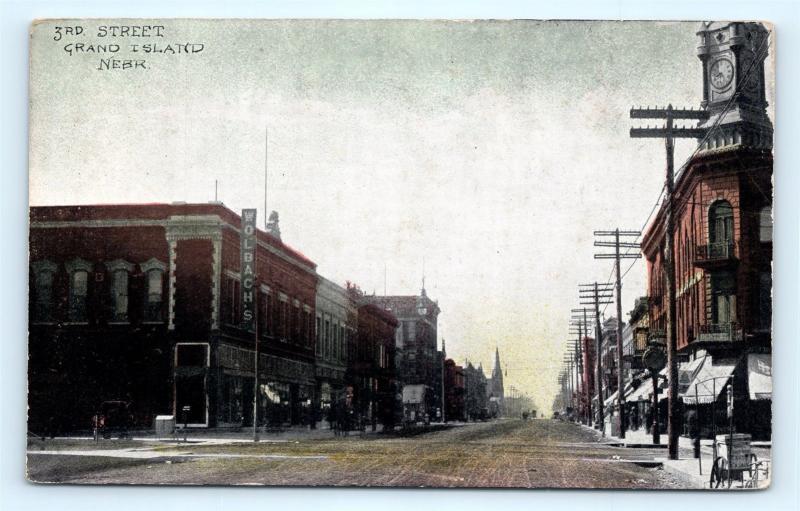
(723, 243)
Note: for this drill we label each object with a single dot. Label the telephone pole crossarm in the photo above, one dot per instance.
(669, 111)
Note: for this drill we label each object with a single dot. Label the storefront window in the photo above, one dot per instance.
(233, 405)
(277, 400)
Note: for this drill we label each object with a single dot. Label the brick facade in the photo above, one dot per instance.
(99, 331)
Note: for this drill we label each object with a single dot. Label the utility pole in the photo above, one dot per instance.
(669, 133)
(580, 319)
(616, 233)
(578, 371)
(570, 364)
(597, 294)
(577, 357)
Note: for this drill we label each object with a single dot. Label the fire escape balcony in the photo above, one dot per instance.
(716, 255)
(720, 333)
(657, 338)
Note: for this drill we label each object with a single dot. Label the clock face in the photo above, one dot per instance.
(721, 73)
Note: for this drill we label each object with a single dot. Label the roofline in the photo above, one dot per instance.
(228, 217)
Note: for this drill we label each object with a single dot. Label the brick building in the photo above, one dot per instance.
(417, 360)
(608, 359)
(371, 370)
(336, 325)
(587, 381)
(141, 303)
(454, 391)
(723, 235)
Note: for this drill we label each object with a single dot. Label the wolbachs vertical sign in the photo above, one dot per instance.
(248, 268)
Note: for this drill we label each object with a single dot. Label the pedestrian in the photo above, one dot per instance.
(332, 418)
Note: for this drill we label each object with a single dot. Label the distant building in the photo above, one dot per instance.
(588, 378)
(371, 368)
(476, 399)
(608, 357)
(495, 386)
(417, 359)
(455, 391)
(336, 324)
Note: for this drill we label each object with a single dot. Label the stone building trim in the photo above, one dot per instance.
(119, 264)
(43, 266)
(78, 264)
(189, 227)
(173, 246)
(152, 264)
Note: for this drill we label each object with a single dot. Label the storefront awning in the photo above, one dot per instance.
(687, 372)
(708, 382)
(613, 397)
(759, 376)
(643, 391)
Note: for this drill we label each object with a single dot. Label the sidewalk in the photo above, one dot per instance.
(227, 436)
(698, 471)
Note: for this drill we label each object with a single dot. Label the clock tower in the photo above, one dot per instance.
(733, 55)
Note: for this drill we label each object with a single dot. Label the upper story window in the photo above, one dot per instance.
(765, 223)
(78, 271)
(283, 313)
(231, 300)
(720, 223)
(723, 298)
(119, 271)
(327, 340)
(342, 336)
(154, 287)
(297, 327)
(268, 317)
(44, 273)
(317, 337)
(262, 311)
(308, 327)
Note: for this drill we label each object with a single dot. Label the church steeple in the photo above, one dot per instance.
(497, 376)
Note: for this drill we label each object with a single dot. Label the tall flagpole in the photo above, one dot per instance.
(266, 156)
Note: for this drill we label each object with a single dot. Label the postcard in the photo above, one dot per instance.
(401, 253)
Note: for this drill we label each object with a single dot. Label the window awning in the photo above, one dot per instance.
(708, 382)
(759, 376)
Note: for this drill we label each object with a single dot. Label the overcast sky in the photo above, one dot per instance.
(490, 149)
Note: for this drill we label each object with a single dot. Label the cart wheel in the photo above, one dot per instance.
(753, 463)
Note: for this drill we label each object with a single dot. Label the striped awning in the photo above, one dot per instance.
(759, 376)
(708, 382)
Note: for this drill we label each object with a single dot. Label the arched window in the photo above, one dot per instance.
(43, 306)
(153, 271)
(720, 223)
(119, 271)
(765, 223)
(78, 271)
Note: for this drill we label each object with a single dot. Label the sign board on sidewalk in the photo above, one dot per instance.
(413, 394)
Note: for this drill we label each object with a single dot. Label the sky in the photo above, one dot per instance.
(490, 150)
